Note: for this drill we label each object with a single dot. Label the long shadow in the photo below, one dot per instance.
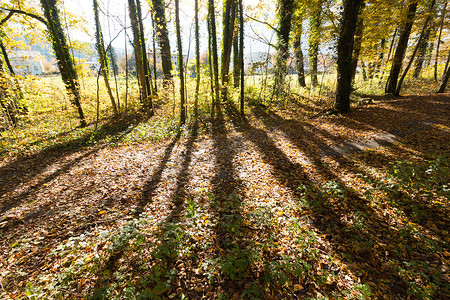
(328, 217)
(329, 220)
(229, 246)
(151, 184)
(168, 228)
(25, 169)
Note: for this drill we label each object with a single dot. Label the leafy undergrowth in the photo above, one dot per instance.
(248, 208)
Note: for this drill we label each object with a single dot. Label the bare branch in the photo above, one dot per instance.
(263, 22)
(18, 11)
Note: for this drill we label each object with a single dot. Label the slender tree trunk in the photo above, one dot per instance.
(11, 70)
(229, 14)
(211, 70)
(162, 34)
(215, 60)
(142, 65)
(444, 11)
(297, 28)
(422, 35)
(197, 60)
(236, 61)
(137, 49)
(180, 63)
(154, 54)
(391, 85)
(345, 48)
(445, 77)
(126, 60)
(241, 52)
(64, 59)
(314, 40)
(104, 64)
(422, 50)
(358, 43)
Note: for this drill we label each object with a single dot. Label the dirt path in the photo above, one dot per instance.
(244, 185)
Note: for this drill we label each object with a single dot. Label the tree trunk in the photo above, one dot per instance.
(241, 52)
(180, 63)
(445, 78)
(357, 43)
(104, 64)
(61, 49)
(229, 15)
(314, 40)
(402, 45)
(146, 66)
(140, 55)
(236, 60)
(444, 11)
(423, 47)
(422, 35)
(285, 9)
(215, 60)
(154, 54)
(162, 34)
(11, 70)
(297, 28)
(345, 48)
(197, 60)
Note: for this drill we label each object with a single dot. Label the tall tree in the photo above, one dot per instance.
(441, 26)
(297, 28)
(345, 49)
(228, 19)
(391, 84)
(180, 63)
(104, 64)
(236, 64)
(285, 9)
(422, 36)
(358, 42)
(64, 59)
(315, 21)
(140, 55)
(445, 77)
(162, 34)
(214, 54)
(241, 52)
(197, 60)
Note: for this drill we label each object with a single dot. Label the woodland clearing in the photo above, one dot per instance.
(262, 206)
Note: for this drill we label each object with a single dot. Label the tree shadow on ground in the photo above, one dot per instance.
(24, 169)
(364, 247)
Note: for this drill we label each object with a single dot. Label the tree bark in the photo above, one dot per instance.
(64, 59)
(180, 63)
(445, 78)
(104, 64)
(422, 35)
(197, 60)
(162, 34)
(297, 28)
(241, 53)
(358, 43)
(345, 48)
(285, 9)
(441, 26)
(236, 61)
(215, 60)
(314, 40)
(391, 85)
(142, 65)
(229, 14)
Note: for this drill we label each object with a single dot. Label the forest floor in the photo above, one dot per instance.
(283, 203)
